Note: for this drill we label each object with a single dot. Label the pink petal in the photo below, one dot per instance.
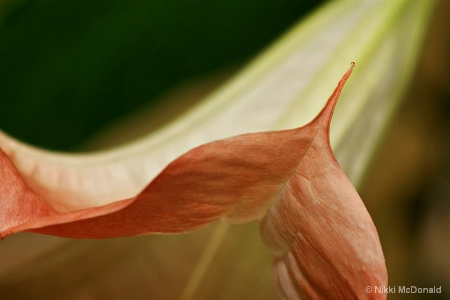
(236, 178)
(325, 242)
(19, 203)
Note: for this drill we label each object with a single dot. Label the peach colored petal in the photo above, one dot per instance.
(236, 178)
(19, 203)
(324, 240)
(325, 243)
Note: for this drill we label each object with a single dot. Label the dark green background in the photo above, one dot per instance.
(69, 68)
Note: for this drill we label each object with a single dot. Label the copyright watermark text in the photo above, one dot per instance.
(402, 289)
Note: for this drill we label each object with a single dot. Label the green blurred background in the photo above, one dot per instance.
(69, 68)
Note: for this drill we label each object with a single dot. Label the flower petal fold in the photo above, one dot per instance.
(236, 178)
(324, 240)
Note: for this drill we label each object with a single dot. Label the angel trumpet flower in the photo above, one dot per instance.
(312, 205)
(325, 243)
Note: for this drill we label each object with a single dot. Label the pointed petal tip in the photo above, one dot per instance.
(337, 91)
(350, 70)
(327, 111)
